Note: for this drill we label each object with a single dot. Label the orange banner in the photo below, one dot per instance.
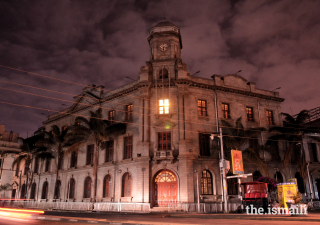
(237, 162)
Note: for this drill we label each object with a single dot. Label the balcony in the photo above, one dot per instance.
(163, 155)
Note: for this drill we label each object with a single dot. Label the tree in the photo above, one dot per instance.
(237, 137)
(57, 142)
(96, 130)
(292, 132)
(27, 154)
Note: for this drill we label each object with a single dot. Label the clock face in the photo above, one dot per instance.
(163, 47)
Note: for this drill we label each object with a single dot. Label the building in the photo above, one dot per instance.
(166, 147)
(8, 142)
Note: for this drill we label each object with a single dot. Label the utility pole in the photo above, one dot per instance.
(222, 170)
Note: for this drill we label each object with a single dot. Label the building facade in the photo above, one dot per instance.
(166, 155)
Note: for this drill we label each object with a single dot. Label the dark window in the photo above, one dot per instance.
(87, 187)
(126, 185)
(74, 159)
(33, 191)
(90, 150)
(163, 73)
(17, 169)
(26, 169)
(44, 194)
(278, 177)
(13, 194)
(232, 185)
(256, 175)
(225, 110)
(300, 183)
(204, 144)
(57, 189)
(109, 151)
(47, 167)
(23, 192)
(127, 147)
(107, 186)
(202, 108)
(129, 110)
(36, 165)
(111, 117)
(249, 113)
(72, 188)
(164, 141)
(206, 183)
(60, 161)
(269, 115)
(313, 152)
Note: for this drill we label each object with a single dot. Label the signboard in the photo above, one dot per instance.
(237, 162)
(286, 193)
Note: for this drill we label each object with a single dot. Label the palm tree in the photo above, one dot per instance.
(237, 137)
(96, 130)
(27, 154)
(293, 131)
(57, 142)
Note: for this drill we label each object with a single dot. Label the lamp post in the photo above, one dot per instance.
(222, 169)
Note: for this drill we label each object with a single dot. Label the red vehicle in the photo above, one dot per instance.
(256, 194)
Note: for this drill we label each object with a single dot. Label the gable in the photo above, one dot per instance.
(234, 80)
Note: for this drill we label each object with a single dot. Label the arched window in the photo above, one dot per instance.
(87, 187)
(23, 191)
(57, 189)
(232, 185)
(300, 183)
(163, 73)
(126, 185)
(72, 188)
(206, 183)
(107, 186)
(256, 175)
(44, 194)
(33, 191)
(278, 177)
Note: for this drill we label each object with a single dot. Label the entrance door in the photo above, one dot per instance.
(165, 189)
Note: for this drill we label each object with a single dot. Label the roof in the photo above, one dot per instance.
(164, 24)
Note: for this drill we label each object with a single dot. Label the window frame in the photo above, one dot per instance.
(126, 185)
(47, 165)
(129, 112)
(87, 187)
(107, 186)
(57, 190)
(74, 159)
(45, 187)
(90, 154)
(204, 144)
(163, 109)
(128, 147)
(270, 118)
(163, 74)
(166, 141)
(60, 160)
(109, 151)
(225, 112)
(111, 115)
(72, 188)
(202, 110)
(250, 114)
(206, 183)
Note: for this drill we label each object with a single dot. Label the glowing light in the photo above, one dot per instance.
(164, 106)
(22, 210)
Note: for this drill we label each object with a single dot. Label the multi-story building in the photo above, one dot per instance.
(169, 115)
(8, 143)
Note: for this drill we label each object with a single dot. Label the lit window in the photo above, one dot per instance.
(164, 106)
(202, 108)
(225, 110)
(269, 117)
(111, 117)
(249, 113)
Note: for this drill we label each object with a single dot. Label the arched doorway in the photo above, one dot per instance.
(165, 188)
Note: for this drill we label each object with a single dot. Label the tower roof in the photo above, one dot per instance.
(164, 24)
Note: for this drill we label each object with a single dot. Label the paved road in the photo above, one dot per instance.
(51, 218)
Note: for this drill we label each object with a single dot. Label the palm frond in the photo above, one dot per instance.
(18, 160)
(251, 155)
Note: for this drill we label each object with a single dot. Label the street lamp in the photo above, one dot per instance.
(222, 169)
(195, 73)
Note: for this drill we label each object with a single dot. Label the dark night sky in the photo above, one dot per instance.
(274, 43)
